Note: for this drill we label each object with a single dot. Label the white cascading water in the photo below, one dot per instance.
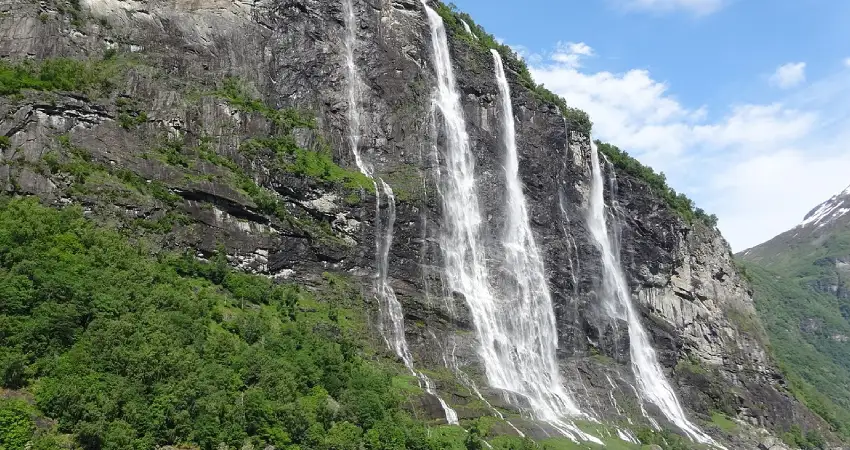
(517, 335)
(468, 29)
(390, 307)
(652, 384)
(529, 319)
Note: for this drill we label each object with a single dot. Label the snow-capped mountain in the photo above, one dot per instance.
(830, 218)
(829, 211)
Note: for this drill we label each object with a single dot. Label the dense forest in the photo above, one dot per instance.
(128, 348)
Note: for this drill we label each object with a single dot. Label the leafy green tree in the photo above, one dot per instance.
(343, 436)
(16, 427)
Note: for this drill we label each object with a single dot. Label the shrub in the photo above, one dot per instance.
(16, 426)
(61, 74)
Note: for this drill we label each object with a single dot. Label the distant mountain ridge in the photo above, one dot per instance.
(823, 220)
(801, 284)
(829, 211)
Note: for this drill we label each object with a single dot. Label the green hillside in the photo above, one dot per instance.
(128, 349)
(798, 287)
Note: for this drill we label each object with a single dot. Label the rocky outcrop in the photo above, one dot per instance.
(171, 59)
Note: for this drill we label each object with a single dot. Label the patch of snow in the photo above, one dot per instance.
(823, 211)
(831, 209)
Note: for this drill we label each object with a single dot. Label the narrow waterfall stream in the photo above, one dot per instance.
(516, 330)
(392, 315)
(652, 384)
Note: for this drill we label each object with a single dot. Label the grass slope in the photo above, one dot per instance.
(805, 327)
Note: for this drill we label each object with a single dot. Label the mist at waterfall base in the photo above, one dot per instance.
(392, 315)
(617, 303)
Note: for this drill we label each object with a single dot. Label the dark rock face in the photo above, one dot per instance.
(290, 52)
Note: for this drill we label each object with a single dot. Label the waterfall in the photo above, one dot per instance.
(392, 316)
(468, 29)
(652, 384)
(517, 332)
(355, 88)
(529, 323)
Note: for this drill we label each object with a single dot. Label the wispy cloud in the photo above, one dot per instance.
(847, 62)
(759, 167)
(789, 75)
(699, 7)
(570, 53)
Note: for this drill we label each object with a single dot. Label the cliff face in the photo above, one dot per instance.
(166, 146)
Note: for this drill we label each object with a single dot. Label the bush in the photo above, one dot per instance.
(88, 77)
(238, 95)
(16, 427)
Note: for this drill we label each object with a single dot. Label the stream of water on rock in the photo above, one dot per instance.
(652, 384)
(392, 315)
(516, 332)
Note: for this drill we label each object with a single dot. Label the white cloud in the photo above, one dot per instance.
(699, 7)
(759, 197)
(789, 75)
(571, 53)
(847, 62)
(759, 167)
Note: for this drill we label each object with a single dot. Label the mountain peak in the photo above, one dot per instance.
(827, 212)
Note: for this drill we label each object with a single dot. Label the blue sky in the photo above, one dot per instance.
(744, 104)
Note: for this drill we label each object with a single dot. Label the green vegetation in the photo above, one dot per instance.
(723, 422)
(127, 349)
(88, 77)
(679, 203)
(237, 94)
(172, 152)
(281, 147)
(16, 426)
(811, 440)
(665, 439)
(577, 119)
(287, 156)
(78, 163)
(407, 182)
(129, 114)
(816, 365)
(18, 429)
(691, 366)
(5, 142)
